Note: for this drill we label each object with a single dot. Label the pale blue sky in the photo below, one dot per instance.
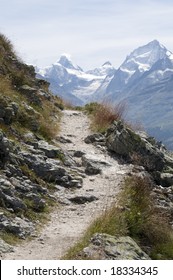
(92, 31)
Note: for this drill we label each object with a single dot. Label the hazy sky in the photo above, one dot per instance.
(92, 31)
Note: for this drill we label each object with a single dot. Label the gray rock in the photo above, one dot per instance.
(50, 151)
(76, 183)
(49, 169)
(93, 165)
(83, 199)
(166, 179)
(63, 140)
(96, 137)
(140, 149)
(5, 149)
(5, 248)
(31, 94)
(17, 226)
(12, 202)
(68, 160)
(107, 247)
(92, 169)
(20, 227)
(78, 154)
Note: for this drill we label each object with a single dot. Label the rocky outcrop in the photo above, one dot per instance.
(107, 247)
(17, 226)
(135, 147)
(49, 163)
(140, 149)
(21, 192)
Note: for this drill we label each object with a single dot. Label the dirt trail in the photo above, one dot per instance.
(68, 223)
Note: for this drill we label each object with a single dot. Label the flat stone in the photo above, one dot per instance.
(83, 199)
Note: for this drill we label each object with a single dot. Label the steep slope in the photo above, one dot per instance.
(29, 118)
(71, 82)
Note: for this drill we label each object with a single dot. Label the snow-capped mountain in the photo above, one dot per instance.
(71, 82)
(105, 70)
(145, 83)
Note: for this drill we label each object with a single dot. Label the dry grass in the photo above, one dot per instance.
(146, 222)
(6, 44)
(103, 115)
(135, 214)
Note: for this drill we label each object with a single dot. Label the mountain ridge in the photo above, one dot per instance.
(144, 81)
(70, 82)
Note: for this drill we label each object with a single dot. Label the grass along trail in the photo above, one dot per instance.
(68, 222)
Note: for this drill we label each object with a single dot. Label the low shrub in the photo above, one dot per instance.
(103, 115)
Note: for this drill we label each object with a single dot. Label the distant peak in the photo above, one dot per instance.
(154, 42)
(65, 60)
(107, 63)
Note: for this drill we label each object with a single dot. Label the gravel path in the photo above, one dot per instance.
(68, 223)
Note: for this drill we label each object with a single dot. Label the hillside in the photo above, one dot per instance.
(29, 122)
(60, 182)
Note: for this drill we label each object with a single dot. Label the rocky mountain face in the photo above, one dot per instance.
(143, 82)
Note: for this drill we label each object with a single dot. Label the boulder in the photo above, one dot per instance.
(50, 151)
(93, 165)
(107, 247)
(63, 140)
(138, 148)
(50, 170)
